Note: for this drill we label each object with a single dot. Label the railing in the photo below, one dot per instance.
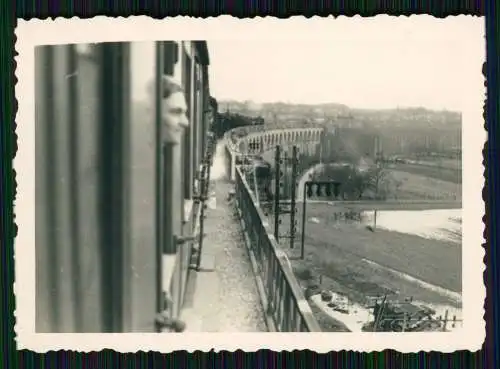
(285, 304)
(235, 140)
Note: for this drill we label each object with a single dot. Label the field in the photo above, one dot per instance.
(451, 173)
(352, 260)
(418, 182)
(415, 186)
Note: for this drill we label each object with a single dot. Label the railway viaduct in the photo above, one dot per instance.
(258, 140)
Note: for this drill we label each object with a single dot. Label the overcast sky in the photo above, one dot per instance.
(383, 62)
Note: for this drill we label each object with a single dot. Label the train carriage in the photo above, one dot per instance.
(114, 199)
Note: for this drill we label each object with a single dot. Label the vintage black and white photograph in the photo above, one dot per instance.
(319, 176)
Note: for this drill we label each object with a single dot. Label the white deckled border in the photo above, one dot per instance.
(102, 29)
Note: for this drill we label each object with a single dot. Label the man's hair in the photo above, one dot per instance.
(213, 104)
(169, 86)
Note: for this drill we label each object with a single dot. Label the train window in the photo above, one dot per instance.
(173, 65)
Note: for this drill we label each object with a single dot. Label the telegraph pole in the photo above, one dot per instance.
(277, 190)
(293, 207)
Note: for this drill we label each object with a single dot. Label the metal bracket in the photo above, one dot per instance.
(199, 198)
(199, 175)
(164, 322)
(182, 240)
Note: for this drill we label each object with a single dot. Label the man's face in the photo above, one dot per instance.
(175, 110)
(210, 116)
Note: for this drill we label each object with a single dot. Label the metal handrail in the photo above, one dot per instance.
(286, 302)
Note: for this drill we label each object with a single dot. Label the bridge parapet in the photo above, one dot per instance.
(254, 140)
(284, 302)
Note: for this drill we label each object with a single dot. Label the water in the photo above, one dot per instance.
(440, 224)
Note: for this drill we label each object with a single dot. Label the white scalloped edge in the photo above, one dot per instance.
(100, 29)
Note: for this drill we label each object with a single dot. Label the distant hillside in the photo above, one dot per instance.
(398, 117)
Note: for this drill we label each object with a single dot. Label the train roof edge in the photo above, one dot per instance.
(202, 48)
